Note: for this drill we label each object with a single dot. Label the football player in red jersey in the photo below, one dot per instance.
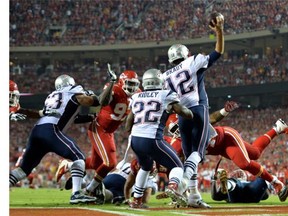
(227, 142)
(101, 131)
(14, 96)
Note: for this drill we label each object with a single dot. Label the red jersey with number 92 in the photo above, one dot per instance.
(112, 115)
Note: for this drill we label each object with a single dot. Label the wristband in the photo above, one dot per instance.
(41, 114)
(223, 112)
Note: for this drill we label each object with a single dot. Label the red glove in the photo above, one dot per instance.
(231, 106)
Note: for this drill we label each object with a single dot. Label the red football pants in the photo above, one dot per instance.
(103, 153)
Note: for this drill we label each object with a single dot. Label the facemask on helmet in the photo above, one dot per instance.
(64, 81)
(177, 51)
(152, 79)
(14, 94)
(129, 82)
(172, 125)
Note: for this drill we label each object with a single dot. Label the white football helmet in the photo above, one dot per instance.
(64, 81)
(152, 79)
(177, 51)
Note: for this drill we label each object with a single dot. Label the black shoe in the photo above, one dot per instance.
(68, 184)
(80, 197)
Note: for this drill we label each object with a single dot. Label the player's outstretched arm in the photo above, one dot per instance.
(31, 113)
(106, 96)
(220, 114)
(218, 26)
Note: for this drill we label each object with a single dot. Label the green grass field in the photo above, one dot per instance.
(56, 198)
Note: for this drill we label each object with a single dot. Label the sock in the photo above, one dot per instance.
(140, 183)
(86, 179)
(193, 185)
(92, 185)
(176, 175)
(191, 165)
(77, 173)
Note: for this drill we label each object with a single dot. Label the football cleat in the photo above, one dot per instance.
(280, 189)
(171, 191)
(198, 204)
(80, 197)
(222, 175)
(62, 169)
(68, 184)
(280, 127)
(283, 194)
(137, 203)
(195, 201)
(162, 196)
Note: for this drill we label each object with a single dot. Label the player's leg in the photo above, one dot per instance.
(164, 154)
(31, 158)
(238, 154)
(194, 132)
(105, 149)
(255, 150)
(143, 148)
(66, 147)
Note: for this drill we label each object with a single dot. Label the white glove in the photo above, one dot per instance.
(17, 116)
(111, 73)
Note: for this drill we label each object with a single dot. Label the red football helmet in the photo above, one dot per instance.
(172, 125)
(129, 82)
(14, 94)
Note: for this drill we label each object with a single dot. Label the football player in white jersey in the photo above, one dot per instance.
(16, 112)
(187, 79)
(48, 134)
(146, 121)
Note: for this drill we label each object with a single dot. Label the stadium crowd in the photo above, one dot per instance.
(232, 71)
(48, 23)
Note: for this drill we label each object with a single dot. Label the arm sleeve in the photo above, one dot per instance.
(84, 118)
(29, 113)
(213, 57)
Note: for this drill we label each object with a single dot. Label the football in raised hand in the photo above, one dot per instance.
(213, 17)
